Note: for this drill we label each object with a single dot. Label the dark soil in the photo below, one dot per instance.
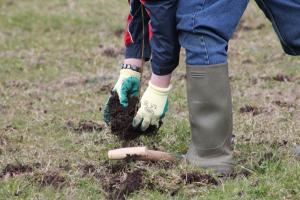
(112, 52)
(66, 166)
(284, 104)
(282, 78)
(278, 77)
(277, 144)
(118, 186)
(162, 164)
(121, 118)
(84, 126)
(52, 178)
(12, 170)
(88, 169)
(117, 168)
(119, 32)
(251, 109)
(195, 177)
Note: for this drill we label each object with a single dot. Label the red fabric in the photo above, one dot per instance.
(143, 2)
(127, 36)
(150, 30)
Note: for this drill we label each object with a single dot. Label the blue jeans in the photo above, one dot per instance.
(206, 26)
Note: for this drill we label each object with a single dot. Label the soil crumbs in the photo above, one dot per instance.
(121, 118)
(51, 178)
(12, 170)
(118, 186)
(201, 179)
(251, 109)
(84, 126)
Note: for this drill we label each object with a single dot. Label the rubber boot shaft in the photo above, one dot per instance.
(210, 114)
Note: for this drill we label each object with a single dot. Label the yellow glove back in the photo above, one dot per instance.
(154, 105)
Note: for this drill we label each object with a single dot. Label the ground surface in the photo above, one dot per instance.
(58, 60)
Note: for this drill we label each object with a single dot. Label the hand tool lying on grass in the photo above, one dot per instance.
(141, 153)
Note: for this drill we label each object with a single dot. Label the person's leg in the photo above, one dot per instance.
(285, 18)
(160, 31)
(205, 28)
(134, 36)
(163, 35)
(165, 50)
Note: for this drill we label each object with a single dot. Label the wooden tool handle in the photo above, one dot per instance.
(141, 153)
(118, 154)
(158, 156)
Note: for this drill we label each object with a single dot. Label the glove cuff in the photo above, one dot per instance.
(129, 73)
(159, 90)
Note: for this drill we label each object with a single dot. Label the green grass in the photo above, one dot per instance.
(52, 69)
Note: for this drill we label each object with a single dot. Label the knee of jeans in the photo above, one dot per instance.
(291, 45)
(202, 49)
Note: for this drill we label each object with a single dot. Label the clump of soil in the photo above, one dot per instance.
(121, 118)
(202, 179)
(284, 104)
(251, 109)
(116, 168)
(282, 78)
(118, 186)
(84, 126)
(52, 178)
(112, 52)
(87, 169)
(66, 166)
(12, 170)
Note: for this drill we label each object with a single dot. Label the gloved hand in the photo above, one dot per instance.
(128, 84)
(154, 105)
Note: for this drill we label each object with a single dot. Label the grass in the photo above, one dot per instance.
(54, 69)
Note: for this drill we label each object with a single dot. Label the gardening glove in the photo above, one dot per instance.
(154, 105)
(128, 84)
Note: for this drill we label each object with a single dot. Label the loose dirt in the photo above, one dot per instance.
(12, 170)
(118, 186)
(84, 126)
(87, 169)
(284, 104)
(282, 78)
(112, 52)
(121, 118)
(251, 109)
(195, 177)
(51, 178)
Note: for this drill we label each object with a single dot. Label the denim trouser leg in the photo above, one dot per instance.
(285, 18)
(205, 28)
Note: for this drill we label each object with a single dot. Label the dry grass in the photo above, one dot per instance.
(58, 60)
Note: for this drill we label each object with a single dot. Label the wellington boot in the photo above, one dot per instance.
(210, 114)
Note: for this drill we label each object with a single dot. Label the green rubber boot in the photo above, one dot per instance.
(210, 110)
(297, 151)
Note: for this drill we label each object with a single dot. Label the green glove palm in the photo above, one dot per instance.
(128, 84)
(154, 105)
